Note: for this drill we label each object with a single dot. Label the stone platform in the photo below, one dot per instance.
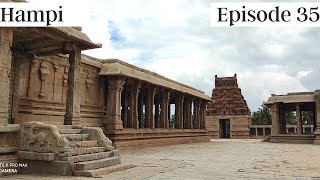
(293, 138)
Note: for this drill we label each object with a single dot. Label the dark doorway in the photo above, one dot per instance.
(224, 128)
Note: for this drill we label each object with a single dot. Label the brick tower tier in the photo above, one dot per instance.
(228, 115)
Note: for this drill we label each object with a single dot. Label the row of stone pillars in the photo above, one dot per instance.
(128, 100)
(279, 121)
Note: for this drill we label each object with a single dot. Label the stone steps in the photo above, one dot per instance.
(90, 150)
(74, 144)
(96, 164)
(70, 131)
(90, 157)
(65, 126)
(101, 171)
(76, 137)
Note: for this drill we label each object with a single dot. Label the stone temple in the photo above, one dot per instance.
(71, 113)
(228, 115)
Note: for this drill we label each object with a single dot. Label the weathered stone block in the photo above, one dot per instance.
(97, 163)
(89, 157)
(36, 156)
(62, 168)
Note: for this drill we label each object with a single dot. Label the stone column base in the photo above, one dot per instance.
(113, 122)
(71, 120)
(317, 138)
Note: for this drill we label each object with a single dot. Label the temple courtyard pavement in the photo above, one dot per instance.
(218, 159)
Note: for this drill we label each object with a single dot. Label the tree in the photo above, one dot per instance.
(307, 117)
(172, 120)
(290, 117)
(262, 116)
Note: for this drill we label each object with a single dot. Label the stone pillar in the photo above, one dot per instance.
(256, 131)
(282, 120)
(264, 131)
(196, 114)
(299, 120)
(314, 115)
(165, 97)
(275, 116)
(141, 119)
(134, 88)
(317, 115)
(169, 114)
(157, 111)
(188, 112)
(124, 110)
(203, 111)
(179, 111)
(73, 115)
(149, 121)
(6, 36)
(113, 120)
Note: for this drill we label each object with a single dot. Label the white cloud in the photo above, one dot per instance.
(173, 38)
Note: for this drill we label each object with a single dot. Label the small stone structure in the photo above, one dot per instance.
(228, 115)
(297, 102)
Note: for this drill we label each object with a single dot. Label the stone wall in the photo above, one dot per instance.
(42, 90)
(239, 126)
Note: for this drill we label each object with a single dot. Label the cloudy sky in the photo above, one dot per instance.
(174, 39)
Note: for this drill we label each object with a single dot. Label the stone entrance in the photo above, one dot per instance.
(224, 126)
(228, 103)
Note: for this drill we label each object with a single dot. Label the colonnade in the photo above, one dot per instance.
(279, 125)
(132, 104)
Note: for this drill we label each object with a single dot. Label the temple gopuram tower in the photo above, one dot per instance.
(228, 115)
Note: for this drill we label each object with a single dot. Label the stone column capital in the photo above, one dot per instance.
(116, 83)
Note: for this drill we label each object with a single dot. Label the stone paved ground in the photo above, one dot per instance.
(218, 159)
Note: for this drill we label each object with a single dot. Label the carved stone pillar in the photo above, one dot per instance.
(179, 111)
(157, 111)
(299, 120)
(134, 87)
(203, 116)
(113, 120)
(6, 36)
(282, 120)
(165, 97)
(275, 114)
(72, 115)
(317, 116)
(141, 118)
(188, 111)
(125, 105)
(196, 114)
(149, 121)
